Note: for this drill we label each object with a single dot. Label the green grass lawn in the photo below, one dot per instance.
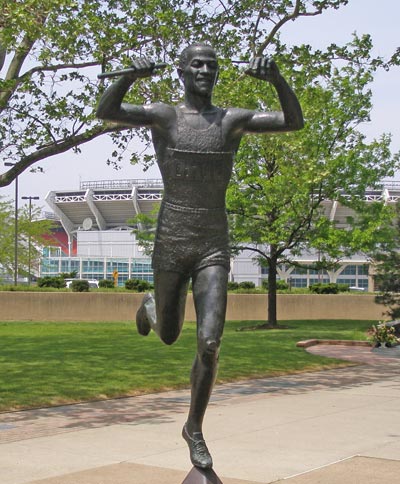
(45, 364)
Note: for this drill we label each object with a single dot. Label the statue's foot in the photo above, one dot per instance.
(199, 454)
(142, 320)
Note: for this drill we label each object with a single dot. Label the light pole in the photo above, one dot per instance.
(15, 228)
(30, 198)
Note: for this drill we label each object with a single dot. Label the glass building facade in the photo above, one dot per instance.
(98, 267)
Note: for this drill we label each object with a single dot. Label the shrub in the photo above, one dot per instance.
(233, 285)
(106, 283)
(281, 285)
(69, 275)
(322, 288)
(80, 285)
(382, 333)
(48, 281)
(137, 285)
(246, 285)
(344, 287)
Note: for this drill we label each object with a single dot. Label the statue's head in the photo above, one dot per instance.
(198, 68)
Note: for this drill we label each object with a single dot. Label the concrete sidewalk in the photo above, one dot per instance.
(337, 427)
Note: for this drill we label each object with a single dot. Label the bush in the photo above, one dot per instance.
(344, 287)
(232, 286)
(281, 285)
(383, 333)
(106, 283)
(80, 285)
(69, 275)
(137, 285)
(322, 288)
(48, 281)
(246, 285)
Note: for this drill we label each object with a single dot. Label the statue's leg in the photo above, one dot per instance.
(164, 313)
(210, 295)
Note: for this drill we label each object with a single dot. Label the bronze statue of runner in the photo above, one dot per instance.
(195, 144)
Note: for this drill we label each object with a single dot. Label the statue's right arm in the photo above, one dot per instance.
(111, 107)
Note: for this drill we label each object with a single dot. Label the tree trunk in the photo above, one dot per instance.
(2, 56)
(272, 263)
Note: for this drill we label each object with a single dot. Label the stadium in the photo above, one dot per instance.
(93, 236)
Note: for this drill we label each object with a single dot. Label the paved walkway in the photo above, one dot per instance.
(337, 427)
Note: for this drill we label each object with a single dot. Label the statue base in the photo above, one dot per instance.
(202, 476)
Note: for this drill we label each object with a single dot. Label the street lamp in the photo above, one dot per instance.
(30, 198)
(15, 228)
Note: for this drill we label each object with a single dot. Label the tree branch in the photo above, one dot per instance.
(56, 68)
(295, 14)
(253, 41)
(35, 118)
(54, 149)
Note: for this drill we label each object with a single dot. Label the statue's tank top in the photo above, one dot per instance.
(196, 172)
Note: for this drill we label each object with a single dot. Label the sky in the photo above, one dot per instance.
(379, 19)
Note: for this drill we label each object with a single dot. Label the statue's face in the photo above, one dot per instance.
(201, 70)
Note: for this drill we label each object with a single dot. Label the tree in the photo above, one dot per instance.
(280, 182)
(55, 48)
(29, 227)
(145, 225)
(386, 259)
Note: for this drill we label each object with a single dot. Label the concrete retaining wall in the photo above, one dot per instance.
(49, 306)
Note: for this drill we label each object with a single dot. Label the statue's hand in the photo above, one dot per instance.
(263, 68)
(143, 67)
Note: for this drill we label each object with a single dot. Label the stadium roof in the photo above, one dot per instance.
(111, 204)
(103, 204)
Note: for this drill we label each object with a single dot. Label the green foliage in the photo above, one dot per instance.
(232, 285)
(138, 285)
(28, 228)
(322, 288)
(56, 47)
(284, 185)
(246, 285)
(343, 287)
(48, 92)
(57, 282)
(80, 285)
(30, 288)
(69, 275)
(387, 268)
(145, 229)
(381, 333)
(281, 285)
(106, 283)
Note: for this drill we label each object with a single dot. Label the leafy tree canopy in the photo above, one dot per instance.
(30, 226)
(285, 187)
(55, 48)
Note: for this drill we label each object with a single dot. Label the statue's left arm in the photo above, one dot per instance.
(291, 116)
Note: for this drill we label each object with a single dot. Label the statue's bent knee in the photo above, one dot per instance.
(209, 350)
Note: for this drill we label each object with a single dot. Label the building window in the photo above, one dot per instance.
(299, 271)
(298, 282)
(350, 282)
(363, 283)
(349, 271)
(49, 266)
(321, 280)
(317, 272)
(69, 265)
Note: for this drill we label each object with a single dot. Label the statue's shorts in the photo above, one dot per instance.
(189, 239)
